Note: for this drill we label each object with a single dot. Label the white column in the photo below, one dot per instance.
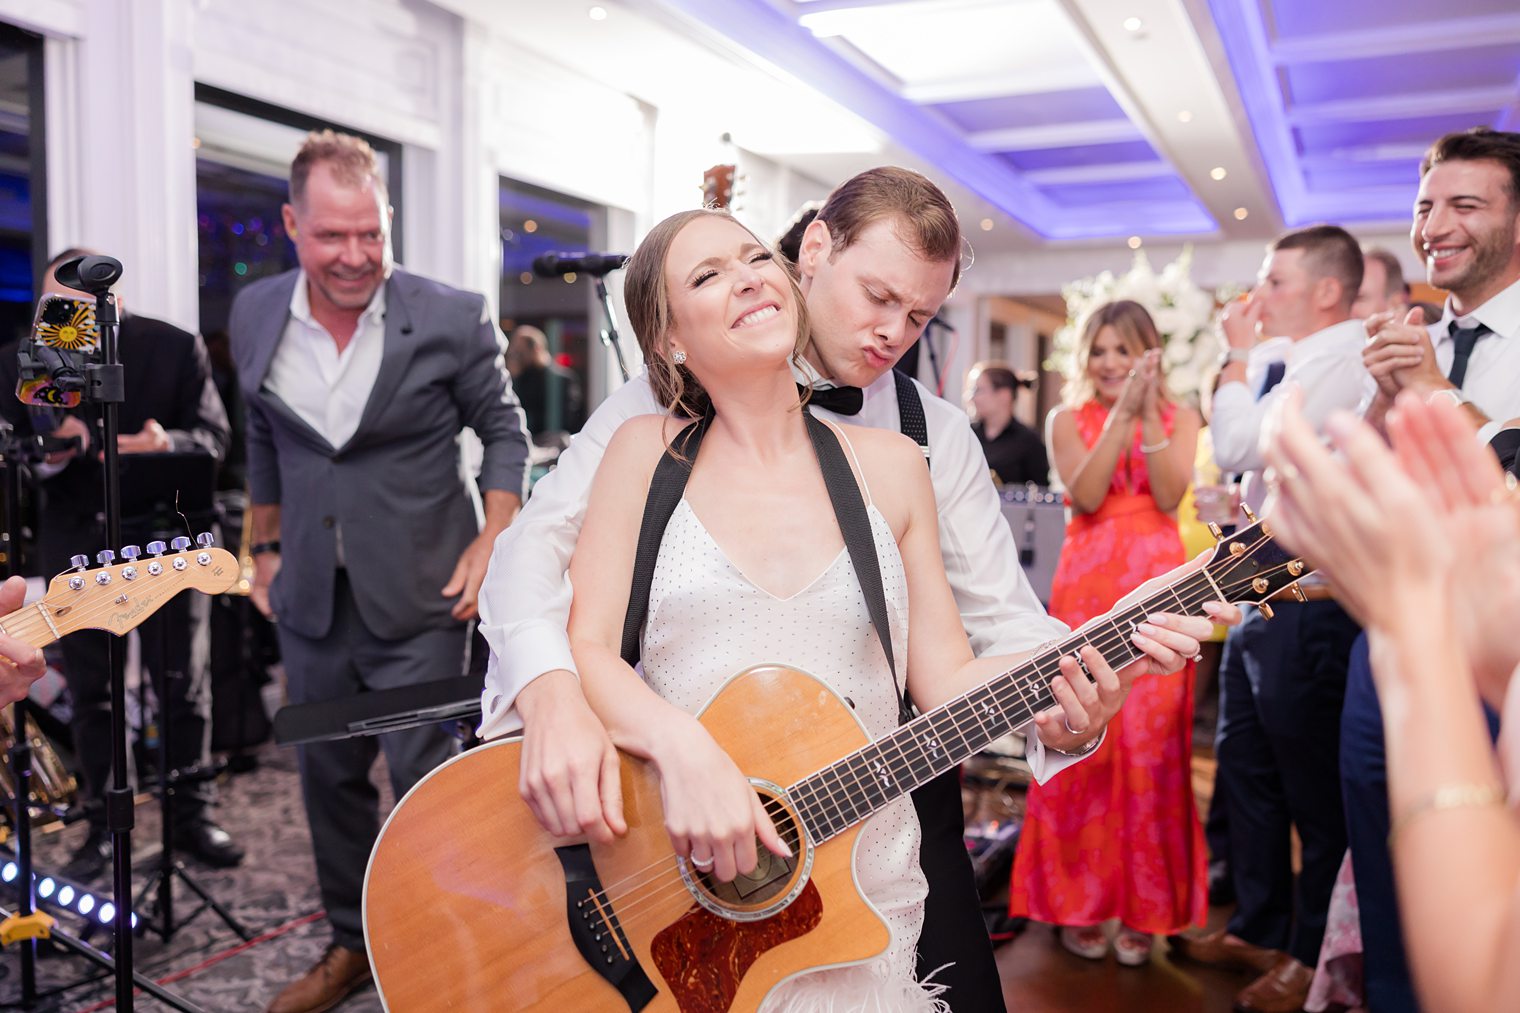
(120, 163)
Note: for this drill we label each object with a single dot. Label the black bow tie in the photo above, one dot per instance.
(839, 400)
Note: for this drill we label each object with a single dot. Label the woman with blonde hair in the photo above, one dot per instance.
(1118, 837)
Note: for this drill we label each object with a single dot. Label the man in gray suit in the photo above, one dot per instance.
(358, 379)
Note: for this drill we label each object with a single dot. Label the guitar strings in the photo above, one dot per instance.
(37, 626)
(1108, 638)
(632, 889)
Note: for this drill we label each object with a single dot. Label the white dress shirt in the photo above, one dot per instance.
(1492, 382)
(325, 387)
(525, 601)
(1326, 366)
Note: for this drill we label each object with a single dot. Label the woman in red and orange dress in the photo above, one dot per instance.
(1117, 835)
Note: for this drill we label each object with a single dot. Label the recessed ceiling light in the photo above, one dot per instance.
(597, 14)
(1134, 242)
(1133, 24)
(530, 226)
(1218, 172)
(526, 277)
(987, 224)
(1241, 214)
(1185, 116)
(569, 277)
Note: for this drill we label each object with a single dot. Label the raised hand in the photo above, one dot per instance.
(1399, 354)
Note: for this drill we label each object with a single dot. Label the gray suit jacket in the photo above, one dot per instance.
(395, 489)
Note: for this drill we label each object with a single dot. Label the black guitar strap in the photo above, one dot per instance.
(669, 483)
(910, 412)
(665, 490)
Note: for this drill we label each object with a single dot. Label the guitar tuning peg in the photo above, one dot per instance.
(205, 539)
(1250, 514)
(1266, 610)
(130, 552)
(1298, 592)
(79, 562)
(156, 547)
(105, 557)
(1216, 531)
(180, 543)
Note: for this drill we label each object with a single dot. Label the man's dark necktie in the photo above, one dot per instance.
(1275, 371)
(839, 400)
(1463, 339)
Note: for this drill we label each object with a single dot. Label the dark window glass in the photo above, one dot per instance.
(535, 221)
(23, 198)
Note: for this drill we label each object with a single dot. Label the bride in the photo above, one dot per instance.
(752, 569)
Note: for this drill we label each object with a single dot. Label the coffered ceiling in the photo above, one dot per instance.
(1099, 120)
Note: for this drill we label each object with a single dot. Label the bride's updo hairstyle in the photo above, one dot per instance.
(647, 301)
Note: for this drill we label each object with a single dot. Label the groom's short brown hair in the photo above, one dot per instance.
(924, 215)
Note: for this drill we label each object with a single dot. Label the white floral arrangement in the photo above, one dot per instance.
(1182, 310)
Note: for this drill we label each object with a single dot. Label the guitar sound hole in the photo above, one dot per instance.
(775, 879)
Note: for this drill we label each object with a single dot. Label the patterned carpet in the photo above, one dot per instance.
(273, 893)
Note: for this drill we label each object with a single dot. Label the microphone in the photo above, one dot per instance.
(553, 265)
(94, 273)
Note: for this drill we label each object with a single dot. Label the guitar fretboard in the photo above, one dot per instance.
(844, 793)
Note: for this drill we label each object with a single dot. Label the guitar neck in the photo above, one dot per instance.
(844, 793)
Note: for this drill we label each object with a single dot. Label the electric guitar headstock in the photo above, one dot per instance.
(1249, 567)
(116, 597)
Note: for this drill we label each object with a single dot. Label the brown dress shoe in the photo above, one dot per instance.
(328, 983)
(1221, 949)
(1281, 990)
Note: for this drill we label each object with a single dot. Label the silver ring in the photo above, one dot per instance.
(701, 863)
(1198, 657)
(1070, 729)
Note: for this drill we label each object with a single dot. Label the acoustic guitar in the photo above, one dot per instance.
(470, 905)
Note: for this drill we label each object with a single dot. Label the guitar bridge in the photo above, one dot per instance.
(595, 929)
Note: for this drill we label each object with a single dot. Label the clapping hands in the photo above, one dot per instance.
(1428, 523)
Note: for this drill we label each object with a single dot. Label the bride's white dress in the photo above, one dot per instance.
(707, 621)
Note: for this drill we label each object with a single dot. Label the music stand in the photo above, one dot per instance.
(168, 496)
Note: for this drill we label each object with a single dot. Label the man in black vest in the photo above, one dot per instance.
(875, 265)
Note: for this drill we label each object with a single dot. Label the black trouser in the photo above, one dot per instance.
(1279, 751)
(954, 932)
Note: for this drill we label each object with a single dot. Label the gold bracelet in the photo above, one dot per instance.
(1449, 796)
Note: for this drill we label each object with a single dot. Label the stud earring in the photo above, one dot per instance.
(679, 358)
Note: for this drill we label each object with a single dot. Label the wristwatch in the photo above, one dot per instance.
(1458, 399)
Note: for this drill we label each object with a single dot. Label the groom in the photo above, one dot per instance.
(875, 265)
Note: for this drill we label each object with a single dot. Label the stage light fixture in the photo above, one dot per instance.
(86, 903)
(46, 887)
(106, 913)
(9, 872)
(65, 895)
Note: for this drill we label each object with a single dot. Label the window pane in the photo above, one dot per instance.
(563, 310)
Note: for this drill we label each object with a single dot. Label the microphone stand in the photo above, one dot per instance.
(105, 385)
(610, 334)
